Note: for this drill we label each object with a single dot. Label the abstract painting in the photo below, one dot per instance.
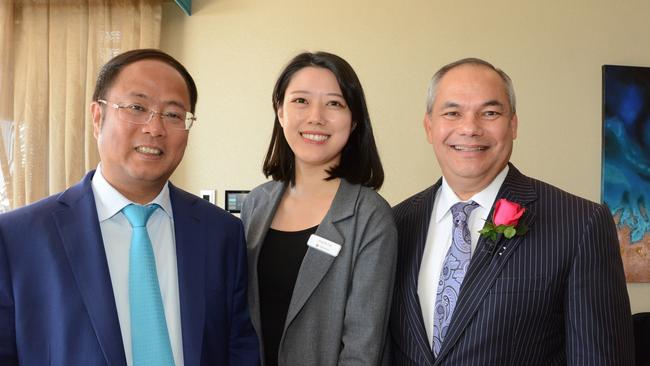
(626, 163)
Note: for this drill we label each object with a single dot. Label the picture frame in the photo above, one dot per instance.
(234, 199)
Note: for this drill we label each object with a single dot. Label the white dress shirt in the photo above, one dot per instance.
(439, 238)
(116, 232)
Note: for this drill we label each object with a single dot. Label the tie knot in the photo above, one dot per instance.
(138, 215)
(462, 210)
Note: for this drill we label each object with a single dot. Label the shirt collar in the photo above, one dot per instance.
(110, 201)
(484, 198)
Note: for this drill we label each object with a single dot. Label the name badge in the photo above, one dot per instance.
(324, 245)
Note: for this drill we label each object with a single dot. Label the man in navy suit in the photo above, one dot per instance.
(65, 260)
(552, 295)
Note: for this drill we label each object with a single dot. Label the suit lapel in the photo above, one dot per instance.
(190, 258)
(81, 238)
(316, 263)
(413, 231)
(488, 260)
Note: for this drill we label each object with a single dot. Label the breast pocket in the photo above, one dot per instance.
(505, 285)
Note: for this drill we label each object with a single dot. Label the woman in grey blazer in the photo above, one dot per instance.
(321, 242)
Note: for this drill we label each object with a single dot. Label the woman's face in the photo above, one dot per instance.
(315, 118)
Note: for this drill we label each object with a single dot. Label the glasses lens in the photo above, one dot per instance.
(177, 120)
(173, 119)
(134, 114)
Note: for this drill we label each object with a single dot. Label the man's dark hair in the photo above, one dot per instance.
(360, 163)
(112, 68)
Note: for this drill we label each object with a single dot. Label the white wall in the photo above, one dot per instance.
(553, 50)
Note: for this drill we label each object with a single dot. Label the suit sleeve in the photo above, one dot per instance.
(370, 295)
(243, 345)
(8, 351)
(597, 308)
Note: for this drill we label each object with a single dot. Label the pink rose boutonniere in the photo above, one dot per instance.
(505, 220)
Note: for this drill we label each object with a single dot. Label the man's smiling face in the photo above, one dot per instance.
(141, 157)
(471, 127)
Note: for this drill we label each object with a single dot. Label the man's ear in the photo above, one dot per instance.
(514, 123)
(428, 127)
(96, 112)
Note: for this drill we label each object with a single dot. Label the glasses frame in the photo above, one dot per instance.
(189, 121)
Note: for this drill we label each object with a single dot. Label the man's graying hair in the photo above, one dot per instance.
(435, 81)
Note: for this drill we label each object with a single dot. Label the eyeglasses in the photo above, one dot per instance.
(176, 119)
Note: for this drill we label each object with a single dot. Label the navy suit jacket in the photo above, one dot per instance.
(553, 296)
(56, 300)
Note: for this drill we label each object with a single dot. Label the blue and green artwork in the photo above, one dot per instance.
(626, 163)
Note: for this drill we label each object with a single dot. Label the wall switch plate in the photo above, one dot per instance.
(209, 195)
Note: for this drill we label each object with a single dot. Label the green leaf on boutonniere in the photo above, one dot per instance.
(489, 231)
(509, 232)
(487, 228)
(492, 231)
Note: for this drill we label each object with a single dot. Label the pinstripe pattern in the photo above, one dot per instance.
(554, 296)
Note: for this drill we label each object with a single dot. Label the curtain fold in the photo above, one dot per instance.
(6, 101)
(50, 53)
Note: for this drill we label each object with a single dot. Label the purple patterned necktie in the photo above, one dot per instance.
(453, 272)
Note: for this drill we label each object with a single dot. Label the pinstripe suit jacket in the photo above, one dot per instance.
(554, 296)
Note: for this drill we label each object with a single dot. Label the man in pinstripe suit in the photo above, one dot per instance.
(553, 296)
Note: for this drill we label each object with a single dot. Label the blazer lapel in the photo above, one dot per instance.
(488, 260)
(316, 263)
(190, 259)
(254, 241)
(80, 235)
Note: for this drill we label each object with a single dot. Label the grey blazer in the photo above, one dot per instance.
(339, 311)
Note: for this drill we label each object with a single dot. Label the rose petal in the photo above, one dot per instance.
(507, 213)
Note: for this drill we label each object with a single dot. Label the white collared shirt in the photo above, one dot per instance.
(439, 238)
(116, 233)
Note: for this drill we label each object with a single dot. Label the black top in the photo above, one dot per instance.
(277, 270)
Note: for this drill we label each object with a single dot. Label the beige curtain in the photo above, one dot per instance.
(50, 53)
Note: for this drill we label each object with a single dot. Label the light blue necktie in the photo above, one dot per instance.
(149, 337)
(453, 272)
